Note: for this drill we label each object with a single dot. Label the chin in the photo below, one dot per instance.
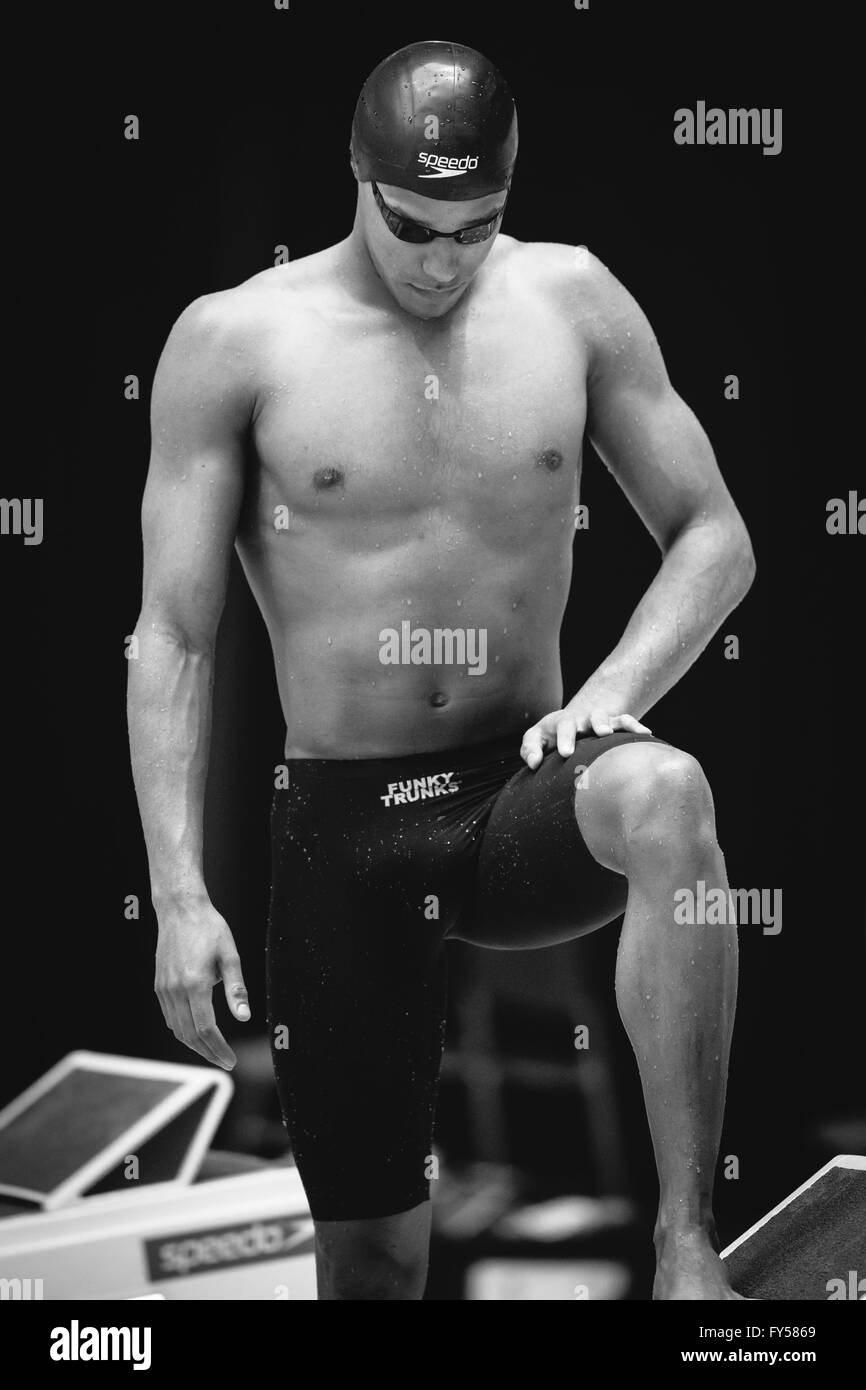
(434, 312)
(429, 310)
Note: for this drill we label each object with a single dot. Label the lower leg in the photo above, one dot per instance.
(648, 814)
(676, 989)
(381, 1258)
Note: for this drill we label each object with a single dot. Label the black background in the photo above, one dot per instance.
(245, 114)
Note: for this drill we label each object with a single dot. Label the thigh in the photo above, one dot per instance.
(356, 1013)
(356, 1057)
(538, 883)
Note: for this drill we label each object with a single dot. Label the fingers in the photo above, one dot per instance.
(205, 1028)
(191, 1038)
(601, 723)
(566, 734)
(532, 747)
(634, 726)
(196, 1029)
(167, 1010)
(235, 989)
(563, 729)
(179, 1021)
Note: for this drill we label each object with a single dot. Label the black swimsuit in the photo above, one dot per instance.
(375, 863)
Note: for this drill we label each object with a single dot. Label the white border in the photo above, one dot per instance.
(840, 1161)
(191, 1084)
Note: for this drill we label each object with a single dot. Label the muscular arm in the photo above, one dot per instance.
(190, 511)
(661, 457)
(200, 412)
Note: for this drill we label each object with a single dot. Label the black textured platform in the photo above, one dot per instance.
(818, 1237)
(70, 1124)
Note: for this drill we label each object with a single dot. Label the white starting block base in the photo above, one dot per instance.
(244, 1237)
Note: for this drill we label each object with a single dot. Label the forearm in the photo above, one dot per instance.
(705, 573)
(169, 715)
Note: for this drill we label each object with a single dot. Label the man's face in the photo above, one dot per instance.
(429, 279)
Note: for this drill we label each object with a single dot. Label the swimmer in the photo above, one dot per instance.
(414, 398)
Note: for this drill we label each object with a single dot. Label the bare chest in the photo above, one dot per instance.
(485, 413)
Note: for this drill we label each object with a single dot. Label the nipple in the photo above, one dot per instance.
(328, 478)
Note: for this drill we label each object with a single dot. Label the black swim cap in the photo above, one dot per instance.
(439, 119)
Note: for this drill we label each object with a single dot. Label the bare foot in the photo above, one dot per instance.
(687, 1267)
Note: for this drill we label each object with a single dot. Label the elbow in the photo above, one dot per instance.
(168, 626)
(748, 562)
(730, 544)
(744, 566)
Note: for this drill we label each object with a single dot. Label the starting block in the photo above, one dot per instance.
(812, 1246)
(107, 1191)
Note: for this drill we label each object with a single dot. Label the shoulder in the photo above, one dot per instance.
(578, 282)
(225, 336)
(554, 263)
(208, 334)
(242, 314)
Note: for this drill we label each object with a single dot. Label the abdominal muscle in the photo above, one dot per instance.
(345, 627)
(349, 688)
(403, 710)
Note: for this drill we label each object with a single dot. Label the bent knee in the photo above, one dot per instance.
(645, 794)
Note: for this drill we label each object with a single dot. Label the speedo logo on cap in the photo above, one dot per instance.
(441, 167)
